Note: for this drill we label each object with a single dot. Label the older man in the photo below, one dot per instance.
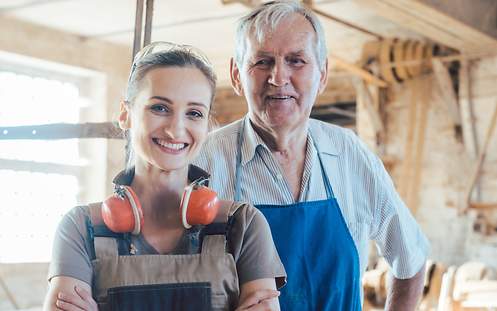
(323, 193)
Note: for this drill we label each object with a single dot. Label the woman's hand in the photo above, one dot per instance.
(83, 301)
(261, 300)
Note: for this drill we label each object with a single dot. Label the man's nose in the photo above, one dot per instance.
(280, 74)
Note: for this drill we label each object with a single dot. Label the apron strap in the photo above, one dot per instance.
(238, 169)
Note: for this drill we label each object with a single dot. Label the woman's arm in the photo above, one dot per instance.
(259, 294)
(68, 294)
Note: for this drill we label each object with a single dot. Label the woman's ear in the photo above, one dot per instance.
(235, 78)
(124, 115)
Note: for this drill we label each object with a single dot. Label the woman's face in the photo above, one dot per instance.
(168, 120)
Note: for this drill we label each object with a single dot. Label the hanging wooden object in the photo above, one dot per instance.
(399, 60)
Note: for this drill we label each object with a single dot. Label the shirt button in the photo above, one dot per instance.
(279, 176)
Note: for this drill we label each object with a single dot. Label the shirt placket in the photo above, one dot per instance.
(275, 171)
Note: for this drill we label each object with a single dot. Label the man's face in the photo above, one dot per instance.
(280, 76)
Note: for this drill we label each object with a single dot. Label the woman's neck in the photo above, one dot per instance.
(160, 194)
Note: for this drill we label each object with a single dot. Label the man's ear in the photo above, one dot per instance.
(124, 115)
(323, 80)
(235, 78)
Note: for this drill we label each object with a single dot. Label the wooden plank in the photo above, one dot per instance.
(433, 23)
(424, 104)
(479, 14)
(40, 167)
(482, 205)
(365, 96)
(470, 135)
(477, 168)
(406, 177)
(445, 86)
(62, 131)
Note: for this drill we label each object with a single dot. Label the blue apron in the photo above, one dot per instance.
(316, 248)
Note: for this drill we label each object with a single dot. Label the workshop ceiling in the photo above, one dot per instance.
(210, 24)
(207, 24)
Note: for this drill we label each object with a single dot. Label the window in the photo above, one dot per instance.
(42, 179)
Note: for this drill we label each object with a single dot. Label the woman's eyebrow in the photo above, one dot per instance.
(198, 104)
(162, 98)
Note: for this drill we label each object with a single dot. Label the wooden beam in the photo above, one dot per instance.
(61, 131)
(441, 22)
(343, 22)
(358, 71)
(446, 88)
(477, 168)
(470, 135)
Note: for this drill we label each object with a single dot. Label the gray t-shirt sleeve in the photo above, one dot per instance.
(253, 249)
(70, 256)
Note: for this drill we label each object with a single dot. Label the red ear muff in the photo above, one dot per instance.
(199, 205)
(122, 211)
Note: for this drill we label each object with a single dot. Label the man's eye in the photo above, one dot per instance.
(296, 61)
(159, 108)
(263, 62)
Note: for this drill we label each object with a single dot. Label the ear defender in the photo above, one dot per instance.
(122, 212)
(199, 204)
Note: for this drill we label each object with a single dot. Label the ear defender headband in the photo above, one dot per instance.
(199, 204)
(122, 212)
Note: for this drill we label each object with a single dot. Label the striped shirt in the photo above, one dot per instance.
(365, 193)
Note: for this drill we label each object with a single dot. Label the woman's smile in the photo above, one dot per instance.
(170, 147)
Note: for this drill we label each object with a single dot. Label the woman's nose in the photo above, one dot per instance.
(175, 127)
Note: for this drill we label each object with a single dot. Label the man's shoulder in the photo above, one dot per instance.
(219, 144)
(335, 136)
(226, 132)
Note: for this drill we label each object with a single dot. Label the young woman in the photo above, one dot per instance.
(161, 265)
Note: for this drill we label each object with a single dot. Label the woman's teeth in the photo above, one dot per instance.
(166, 144)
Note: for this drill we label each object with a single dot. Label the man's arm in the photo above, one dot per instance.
(403, 295)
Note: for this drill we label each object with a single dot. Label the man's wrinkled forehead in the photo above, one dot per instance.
(302, 34)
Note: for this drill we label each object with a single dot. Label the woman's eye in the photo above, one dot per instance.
(159, 108)
(195, 114)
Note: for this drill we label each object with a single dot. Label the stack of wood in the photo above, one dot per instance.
(472, 286)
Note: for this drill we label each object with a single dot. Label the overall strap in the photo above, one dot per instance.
(105, 242)
(238, 167)
(214, 236)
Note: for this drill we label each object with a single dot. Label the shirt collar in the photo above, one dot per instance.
(125, 177)
(325, 142)
(252, 140)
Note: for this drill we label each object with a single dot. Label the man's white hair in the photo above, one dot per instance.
(265, 18)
